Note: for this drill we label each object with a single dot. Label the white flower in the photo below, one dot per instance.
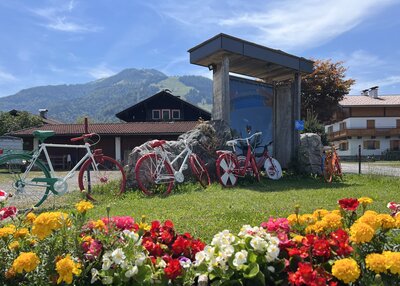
(272, 252)
(107, 280)
(131, 272)
(228, 250)
(140, 259)
(106, 263)
(199, 258)
(209, 252)
(118, 256)
(259, 244)
(240, 258)
(95, 275)
(185, 263)
(162, 264)
(130, 234)
(271, 269)
(223, 238)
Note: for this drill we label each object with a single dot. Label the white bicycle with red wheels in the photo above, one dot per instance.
(155, 172)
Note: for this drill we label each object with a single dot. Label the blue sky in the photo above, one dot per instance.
(64, 42)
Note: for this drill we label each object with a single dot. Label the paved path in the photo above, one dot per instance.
(371, 168)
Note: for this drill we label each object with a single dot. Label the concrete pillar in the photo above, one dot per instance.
(35, 143)
(118, 148)
(221, 99)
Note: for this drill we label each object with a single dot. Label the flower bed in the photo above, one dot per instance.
(347, 245)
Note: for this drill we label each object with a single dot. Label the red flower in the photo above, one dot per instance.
(166, 237)
(321, 248)
(173, 269)
(168, 224)
(349, 204)
(155, 225)
(8, 212)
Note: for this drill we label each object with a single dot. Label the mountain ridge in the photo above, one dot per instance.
(101, 99)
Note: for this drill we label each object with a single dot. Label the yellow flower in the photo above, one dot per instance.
(346, 270)
(30, 217)
(320, 226)
(144, 226)
(298, 238)
(83, 206)
(370, 218)
(13, 245)
(7, 230)
(26, 261)
(365, 201)
(46, 222)
(376, 262)
(65, 268)
(22, 232)
(397, 218)
(319, 213)
(332, 221)
(293, 219)
(361, 232)
(336, 212)
(99, 225)
(387, 221)
(306, 219)
(392, 261)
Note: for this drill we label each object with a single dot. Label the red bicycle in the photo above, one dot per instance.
(228, 166)
(265, 163)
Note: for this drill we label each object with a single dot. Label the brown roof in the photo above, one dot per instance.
(363, 100)
(131, 128)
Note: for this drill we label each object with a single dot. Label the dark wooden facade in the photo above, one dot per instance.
(163, 106)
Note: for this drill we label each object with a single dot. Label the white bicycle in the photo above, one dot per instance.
(155, 172)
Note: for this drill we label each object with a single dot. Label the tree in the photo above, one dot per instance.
(322, 90)
(16, 121)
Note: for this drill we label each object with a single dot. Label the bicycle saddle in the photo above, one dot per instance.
(43, 134)
(157, 143)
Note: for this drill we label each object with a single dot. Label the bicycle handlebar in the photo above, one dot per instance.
(235, 141)
(83, 137)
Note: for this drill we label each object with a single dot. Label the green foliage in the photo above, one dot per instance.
(21, 120)
(324, 88)
(313, 125)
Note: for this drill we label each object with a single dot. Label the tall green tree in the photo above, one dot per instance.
(322, 90)
(19, 120)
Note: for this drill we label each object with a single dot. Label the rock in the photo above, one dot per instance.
(310, 153)
(205, 139)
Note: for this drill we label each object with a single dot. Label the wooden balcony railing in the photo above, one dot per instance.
(342, 134)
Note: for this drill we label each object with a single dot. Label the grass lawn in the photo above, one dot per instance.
(206, 212)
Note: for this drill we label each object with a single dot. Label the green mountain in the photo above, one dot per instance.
(100, 100)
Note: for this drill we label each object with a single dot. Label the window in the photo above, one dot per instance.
(370, 124)
(156, 114)
(394, 145)
(344, 146)
(166, 114)
(371, 144)
(176, 114)
(330, 129)
(397, 123)
(342, 126)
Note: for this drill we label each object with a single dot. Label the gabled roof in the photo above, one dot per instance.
(132, 128)
(153, 97)
(363, 100)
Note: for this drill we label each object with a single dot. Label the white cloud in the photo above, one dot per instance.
(362, 59)
(100, 71)
(6, 77)
(389, 81)
(60, 18)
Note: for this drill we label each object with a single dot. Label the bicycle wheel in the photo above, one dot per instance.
(153, 175)
(30, 188)
(199, 170)
(273, 168)
(108, 178)
(328, 170)
(227, 168)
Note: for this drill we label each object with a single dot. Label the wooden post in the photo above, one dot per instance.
(221, 99)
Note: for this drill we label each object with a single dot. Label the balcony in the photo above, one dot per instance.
(354, 132)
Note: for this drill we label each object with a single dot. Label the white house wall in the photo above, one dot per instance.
(354, 143)
(361, 123)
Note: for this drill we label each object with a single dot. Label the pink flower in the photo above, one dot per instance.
(3, 196)
(8, 212)
(394, 207)
(121, 222)
(276, 225)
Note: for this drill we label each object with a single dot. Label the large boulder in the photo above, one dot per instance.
(205, 139)
(310, 153)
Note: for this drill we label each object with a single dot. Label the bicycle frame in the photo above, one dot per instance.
(43, 148)
(178, 174)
